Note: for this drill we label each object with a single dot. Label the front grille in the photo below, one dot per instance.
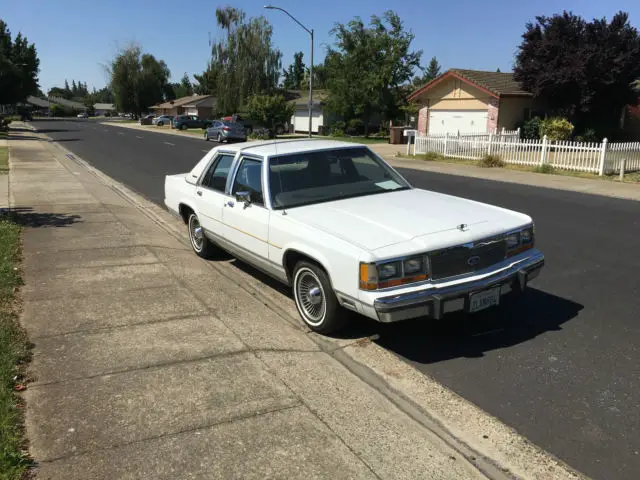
(456, 260)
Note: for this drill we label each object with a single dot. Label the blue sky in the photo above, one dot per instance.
(75, 38)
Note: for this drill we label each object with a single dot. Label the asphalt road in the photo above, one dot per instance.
(561, 366)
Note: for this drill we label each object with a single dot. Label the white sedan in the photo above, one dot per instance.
(345, 230)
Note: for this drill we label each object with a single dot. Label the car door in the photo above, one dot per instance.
(210, 194)
(247, 225)
(215, 129)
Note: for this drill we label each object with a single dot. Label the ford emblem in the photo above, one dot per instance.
(473, 261)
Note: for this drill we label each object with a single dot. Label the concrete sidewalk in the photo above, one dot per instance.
(150, 363)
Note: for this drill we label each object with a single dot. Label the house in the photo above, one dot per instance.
(102, 108)
(70, 104)
(39, 106)
(472, 100)
(320, 116)
(201, 105)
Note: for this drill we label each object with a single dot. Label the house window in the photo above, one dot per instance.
(527, 113)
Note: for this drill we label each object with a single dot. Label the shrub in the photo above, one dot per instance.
(432, 157)
(556, 128)
(337, 129)
(589, 135)
(261, 134)
(544, 168)
(490, 161)
(356, 127)
(531, 129)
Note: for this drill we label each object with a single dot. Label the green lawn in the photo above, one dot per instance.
(4, 159)
(14, 353)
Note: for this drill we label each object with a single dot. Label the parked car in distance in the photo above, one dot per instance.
(182, 122)
(162, 120)
(82, 115)
(147, 119)
(345, 231)
(222, 130)
(251, 125)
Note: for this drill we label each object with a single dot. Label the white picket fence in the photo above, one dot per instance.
(601, 158)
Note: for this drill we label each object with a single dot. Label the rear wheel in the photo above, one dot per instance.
(199, 241)
(315, 300)
(160, 123)
(220, 139)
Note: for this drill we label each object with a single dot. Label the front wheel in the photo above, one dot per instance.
(199, 241)
(160, 124)
(315, 300)
(183, 127)
(206, 136)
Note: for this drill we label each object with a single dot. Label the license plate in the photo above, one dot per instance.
(481, 300)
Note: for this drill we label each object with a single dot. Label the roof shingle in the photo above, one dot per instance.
(497, 82)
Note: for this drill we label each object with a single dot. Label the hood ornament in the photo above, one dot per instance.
(463, 227)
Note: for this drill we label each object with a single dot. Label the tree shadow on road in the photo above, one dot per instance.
(26, 217)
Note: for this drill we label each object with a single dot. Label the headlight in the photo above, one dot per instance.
(513, 240)
(392, 274)
(520, 241)
(414, 265)
(388, 270)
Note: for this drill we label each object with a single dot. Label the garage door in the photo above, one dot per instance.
(452, 121)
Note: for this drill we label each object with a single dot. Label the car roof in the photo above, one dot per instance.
(283, 147)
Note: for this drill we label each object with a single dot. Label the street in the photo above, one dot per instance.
(561, 366)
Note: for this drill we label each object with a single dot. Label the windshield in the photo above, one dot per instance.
(322, 176)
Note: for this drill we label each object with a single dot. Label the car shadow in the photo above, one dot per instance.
(518, 319)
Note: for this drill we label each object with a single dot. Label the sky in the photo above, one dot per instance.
(76, 38)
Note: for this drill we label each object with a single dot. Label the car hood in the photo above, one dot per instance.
(419, 217)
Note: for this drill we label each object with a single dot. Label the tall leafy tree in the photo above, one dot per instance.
(296, 74)
(19, 66)
(138, 80)
(243, 63)
(368, 67)
(581, 70)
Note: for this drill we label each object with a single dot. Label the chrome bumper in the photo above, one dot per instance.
(435, 302)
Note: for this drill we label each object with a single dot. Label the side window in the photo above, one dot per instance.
(216, 176)
(249, 179)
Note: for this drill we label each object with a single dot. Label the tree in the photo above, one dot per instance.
(138, 80)
(19, 66)
(498, 70)
(432, 71)
(369, 66)
(182, 89)
(581, 70)
(243, 63)
(270, 110)
(294, 76)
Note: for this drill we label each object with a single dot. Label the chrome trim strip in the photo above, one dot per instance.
(406, 300)
(264, 265)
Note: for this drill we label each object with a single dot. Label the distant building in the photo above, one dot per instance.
(102, 108)
(201, 105)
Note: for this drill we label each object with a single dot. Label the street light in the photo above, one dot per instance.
(310, 32)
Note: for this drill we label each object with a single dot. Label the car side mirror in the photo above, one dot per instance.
(244, 197)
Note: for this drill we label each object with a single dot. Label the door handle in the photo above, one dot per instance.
(199, 192)
(230, 203)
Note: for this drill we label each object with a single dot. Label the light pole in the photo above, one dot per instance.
(310, 32)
